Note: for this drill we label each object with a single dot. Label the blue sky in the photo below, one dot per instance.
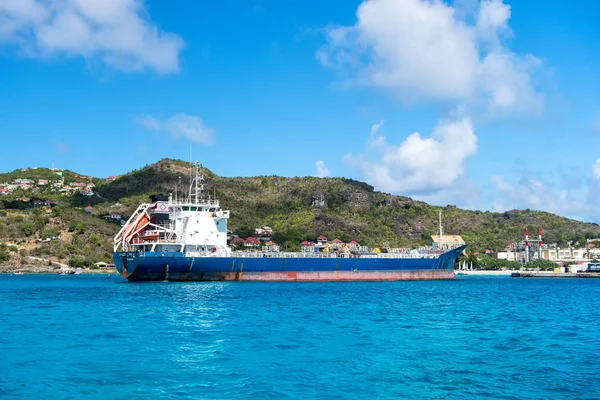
(488, 105)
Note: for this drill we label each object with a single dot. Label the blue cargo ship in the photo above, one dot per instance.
(170, 239)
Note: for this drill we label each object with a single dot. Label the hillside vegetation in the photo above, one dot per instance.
(296, 208)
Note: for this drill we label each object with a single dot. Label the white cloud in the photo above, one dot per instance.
(322, 170)
(536, 194)
(376, 127)
(596, 169)
(418, 164)
(149, 122)
(181, 126)
(419, 50)
(118, 33)
(189, 127)
(574, 196)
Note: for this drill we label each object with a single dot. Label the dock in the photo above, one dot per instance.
(555, 275)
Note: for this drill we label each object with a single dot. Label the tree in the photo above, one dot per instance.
(543, 265)
(28, 229)
(4, 253)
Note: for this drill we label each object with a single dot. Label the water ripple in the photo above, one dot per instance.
(501, 338)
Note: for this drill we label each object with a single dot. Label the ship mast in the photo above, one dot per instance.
(196, 182)
(195, 192)
(441, 232)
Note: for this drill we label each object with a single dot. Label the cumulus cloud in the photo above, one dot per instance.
(537, 194)
(421, 50)
(322, 170)
(117, 33)
(575, 199)
(181, 126)
(419, 164)
(596, 169)
(149, 122)
(189, 127)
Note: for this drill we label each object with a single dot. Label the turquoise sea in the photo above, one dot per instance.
(98, 337)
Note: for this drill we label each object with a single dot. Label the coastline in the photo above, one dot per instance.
(46, 269)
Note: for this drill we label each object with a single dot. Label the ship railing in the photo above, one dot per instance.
(272, 254)
(201, 202)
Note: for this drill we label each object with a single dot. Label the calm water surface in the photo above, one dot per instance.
(92, 337)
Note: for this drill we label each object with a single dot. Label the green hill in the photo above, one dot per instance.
(302, 208)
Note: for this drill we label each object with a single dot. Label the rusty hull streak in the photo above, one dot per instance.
(340, 276)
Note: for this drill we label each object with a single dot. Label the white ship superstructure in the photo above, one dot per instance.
(197, 225)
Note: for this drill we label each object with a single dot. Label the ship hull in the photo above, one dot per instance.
(136, 266)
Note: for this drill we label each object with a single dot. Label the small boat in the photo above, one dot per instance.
(66, 272)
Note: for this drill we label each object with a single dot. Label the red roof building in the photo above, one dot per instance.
(305, 243)
(271, 246)
(251, 242)
(336, 240)
(236, 240)
(321, 238)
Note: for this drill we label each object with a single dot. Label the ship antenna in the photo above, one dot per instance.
(441, 232)
(196, 182)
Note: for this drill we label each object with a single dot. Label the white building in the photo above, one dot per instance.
(568, 254)
(447, 241)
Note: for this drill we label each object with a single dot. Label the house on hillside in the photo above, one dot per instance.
(271, 246)
(113, 217)
(322, 240)
(353, 246)
(88, 209)
(264, 231)
(236, 241)
(251, 242)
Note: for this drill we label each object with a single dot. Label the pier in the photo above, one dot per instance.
(547, 274)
